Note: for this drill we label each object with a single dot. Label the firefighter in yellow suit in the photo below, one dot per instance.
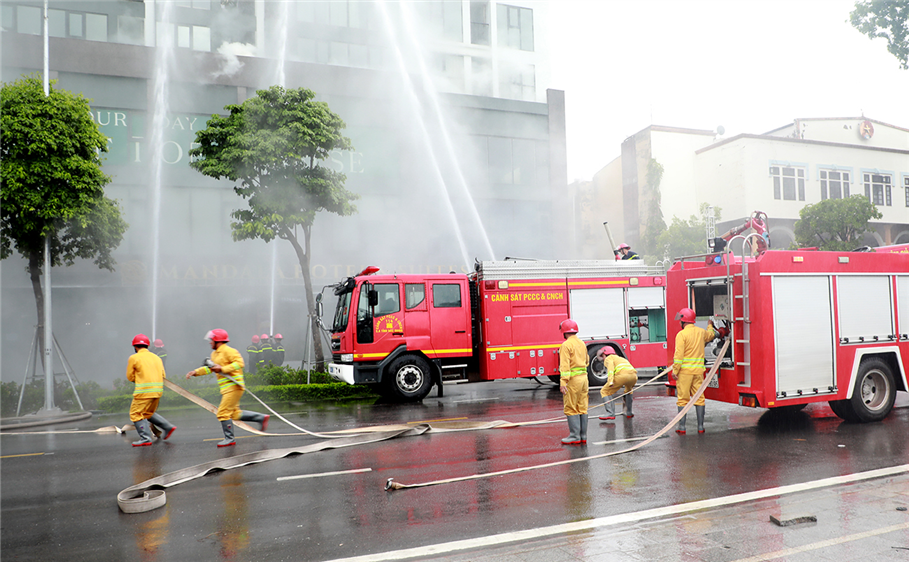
(146, 370)
(226, 360)
(688, 364)
(573, 382)
(619, 374)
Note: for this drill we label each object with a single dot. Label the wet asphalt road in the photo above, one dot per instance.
(58, 492)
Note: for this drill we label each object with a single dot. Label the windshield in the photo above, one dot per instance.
(342, 312)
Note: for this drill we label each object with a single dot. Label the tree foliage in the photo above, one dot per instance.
(888, 19)
(685, 237)
(273, 145)
(835, 224)
(52, 182)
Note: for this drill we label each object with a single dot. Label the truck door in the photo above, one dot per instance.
(380, 326)
(450, 318)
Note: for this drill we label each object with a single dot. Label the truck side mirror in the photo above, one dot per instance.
(373, 297)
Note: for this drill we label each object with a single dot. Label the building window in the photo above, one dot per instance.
(515, 27)
(511, 161)
(479, 22)
(28, 20)
(834, 184)
(517, 82)
(906, 186)
(877, 188)
(788, 183)
(442, 19)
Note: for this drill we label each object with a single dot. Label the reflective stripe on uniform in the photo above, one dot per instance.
(146, 387)
(574, 372)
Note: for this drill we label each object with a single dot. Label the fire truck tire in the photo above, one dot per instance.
(873, 395)
(409, 378)
(596, 371)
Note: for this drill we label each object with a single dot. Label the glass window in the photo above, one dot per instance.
(522, 154)
(75, 25)
(357, 14)
(96, 27)
(834, 184)
(906, 186)
(164, 32)
(515, 27)
(359, 56)
(29, 20)
(202, 5)
(338, 53)
(877, 188)
(389, 299)
(56, 23)
(479, 22)
(481, 76)
(446, 296)
(201, 38)
(184, 3)
(8, 17)
(130, 30)
(305, 11)
(183, 36)
(341, 312)
(415, 293)
(337, 13)
(788, 183)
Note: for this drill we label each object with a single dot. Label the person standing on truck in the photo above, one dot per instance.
(573, 382)
(146, 370)
(226, 360)
(688, 364)
(627, 253)
(619, 374)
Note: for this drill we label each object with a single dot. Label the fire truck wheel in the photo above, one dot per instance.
(409, 378)
(873, 395)
(596, 370)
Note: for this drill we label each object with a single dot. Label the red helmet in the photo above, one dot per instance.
(140, 339)
(263, 337)
(255, 339)
(217, 335)
(279, 337)
(685, 315)
(623, 246)
(568, 326)
(605, 350)
(159, 343)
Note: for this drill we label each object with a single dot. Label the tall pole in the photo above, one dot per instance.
(48, 329)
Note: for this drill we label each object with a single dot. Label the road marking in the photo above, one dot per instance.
(622, 519)
(477, 400)
(354, 471)
(625, 440)
(823, 544)
(22, 455)
(442, 420)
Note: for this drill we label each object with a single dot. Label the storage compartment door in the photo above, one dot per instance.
(600, 313)
(803, 335)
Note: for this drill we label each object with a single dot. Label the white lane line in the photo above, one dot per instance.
(319, 475)
(530, 534)
(830, 542)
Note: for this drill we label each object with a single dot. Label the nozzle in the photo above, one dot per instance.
(390, 484)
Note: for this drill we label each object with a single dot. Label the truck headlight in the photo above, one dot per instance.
(347, 358)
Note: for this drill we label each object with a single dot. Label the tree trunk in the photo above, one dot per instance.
(303, 257)
(34, 273)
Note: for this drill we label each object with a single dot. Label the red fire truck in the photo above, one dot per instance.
(408, 332)
(806, 326)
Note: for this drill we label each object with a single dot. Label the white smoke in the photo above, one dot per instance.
(230, 53)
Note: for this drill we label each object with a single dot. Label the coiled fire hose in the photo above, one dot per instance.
(390, 484)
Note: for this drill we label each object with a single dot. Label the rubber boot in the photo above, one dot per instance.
(681, 428)
(228, 428)
(628, 400)
(583, 432)
(255, 417)
(574, 428)
(159, 421)
(610, 409)
(701, 410)
(145, 438)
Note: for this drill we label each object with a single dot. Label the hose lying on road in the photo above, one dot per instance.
(390, 484)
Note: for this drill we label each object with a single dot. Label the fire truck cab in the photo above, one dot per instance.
(806, 326)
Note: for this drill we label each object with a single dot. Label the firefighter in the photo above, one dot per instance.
(252, 350)
(226, 360)
(688, 364)
(627, 252)
(265, 351)
(620, 374)
(278, 350)
(573, 382)
(160, 351)
(146, 370)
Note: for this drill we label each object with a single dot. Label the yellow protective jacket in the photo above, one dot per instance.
(572, 358)
(231, 364)
(689, 350)
(146, 370)
(616, 365)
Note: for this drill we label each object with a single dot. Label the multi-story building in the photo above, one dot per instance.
(459, 153)
(778, 172)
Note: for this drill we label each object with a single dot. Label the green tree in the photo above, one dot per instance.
(273, 145)
(888, 19)
(652, 214)
(835, 224)
(686, 237)
(52, 182)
